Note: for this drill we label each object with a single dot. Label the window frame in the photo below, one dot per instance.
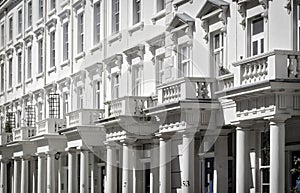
(259, 38)
(66, 102)
(20, 21)
(19, 56)
(10, 72)
(137, 78)
(65, 41)
(29, 12)
(136, 11)
(97, 94)
(29, 62)
(80, 32)
(218, 51)
(2, 71)
(80, 98)
(115, 85)
(40, 56)
(97, 22)
(115, 16)
(10, 28)
(52, 48)
(187, 60)
(160, 5)
(41, 9)
(2, 28)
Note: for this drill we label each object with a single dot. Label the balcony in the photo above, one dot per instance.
(278, 64)
(128, 106)
(49, 126)
(84, 117)
(23, 133)
(6, 138)
(186, 88)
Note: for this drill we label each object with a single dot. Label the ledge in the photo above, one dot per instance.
(158, 16)
(64, 3)
(41, 20)
(9, 90)
(52, 12)
(136, 27)
(52, 69)
(80, 55)
(226, 76)
(18, 86)
(96, 47)
(40, 75)
(114, 38)
(19, 36)
(29, 80)
(65, 63)
(28, 29)
(9, 43)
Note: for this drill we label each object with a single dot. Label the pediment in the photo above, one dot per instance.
(211, 6)
(180, 19)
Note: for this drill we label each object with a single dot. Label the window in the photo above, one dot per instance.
(40, 55)
(29, 116)
(80, 33)
(65, 41)
(52, 4)
(136, 11)
(97, 23)
(265, 161)
(98, 94)
(160, 5)
(2, 35)
(52, 49)
(41, 8)
(66, 103)
(54, 105)
(115, 16)
(10, 33)
(209, 174)
(40, 111)
(159, 70)
(218, 52)
(19, 118)
(2, 77)
(257, 36)
(137, 80)
(184, 61)
(20, 21)
(10, 122)
(80, 98)
(147, 177)
(29, 11)
(19, 68)
(10, 73)
(115, 85)
(29, 62)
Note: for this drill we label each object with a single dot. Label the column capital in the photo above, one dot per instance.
(16, 158)
(26, 157)
(41, 155)
(278, 118)
(4, 160)
(109, 144)
(72, 150)
(126, 142)
(243, 125)
(83, 148)
(163, 136)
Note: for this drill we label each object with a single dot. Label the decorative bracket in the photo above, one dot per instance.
(205, 26)
(288, 6)
(242, 11)
(265, 5)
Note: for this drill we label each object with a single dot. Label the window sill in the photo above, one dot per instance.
(1, 48)
(9, 43)
(178, 3)
(40, 75)
(28, 29)
(1, 93)
(96, 47)
(52, 12)
(64, 3)
(80, 55)
(52, 69)
(114, 38)
(65, 63)
(19, 36)
(29, 80)
(41, 20)
(136, 27)
(158, 16)
(9, 90)
(18, 86)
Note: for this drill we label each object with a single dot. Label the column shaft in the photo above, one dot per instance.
(111, 185)
(50, 173)
(16, 176)
(3, 188)
(41, 174)
(72, 176)
(188, 162)
(84, 171)
(164, 166)
(24, 176)
(126, 170)
(277, 157)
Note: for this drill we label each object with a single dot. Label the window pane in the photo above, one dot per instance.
(257, 26)
(262, 46)
(217, 41)
(255, 47)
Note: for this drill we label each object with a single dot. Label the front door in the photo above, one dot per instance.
(209, 174)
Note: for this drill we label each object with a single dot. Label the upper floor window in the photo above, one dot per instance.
(66, 41)
(10, 73)
(218, 52)
(41, 8)
(40, 56)
(184, 61)
(29, 62)
(136, 11)
(159, 70)
(29, 14)
(66, 97)
(29, 116)
(137, 80)
(54, 105)
(80, 33)
(115, 85)
(40, 111)
(2, 77)
(19, 118)
(80, 98)
(19, 68)
(2, 35)
(52, 49)
(20, 21)
(257, 36)
(10, 32)
(98, 94)
(52, 4)
(97, 23)
(160, 5)
(115, 16)
(10, 122)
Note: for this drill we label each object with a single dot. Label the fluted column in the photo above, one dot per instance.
(72, 176)
(111, 185)
(242, 136)
(50, 172)
(24, 174)
(3, 180)
(17, 167)
(84, 161)
(277, 155)
(164, 165)
(188, 163)
(41, 173)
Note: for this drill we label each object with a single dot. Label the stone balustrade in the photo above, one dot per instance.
(83, 117)
(6, 138)
(50, 125)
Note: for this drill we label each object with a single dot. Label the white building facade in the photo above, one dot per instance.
(149, 96)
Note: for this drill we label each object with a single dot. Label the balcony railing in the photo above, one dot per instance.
(129, 105)
(23, 133)
(225, 82)
(50, 125)
(84, 117)
(277, 64)
(186, 88)
(6, 138)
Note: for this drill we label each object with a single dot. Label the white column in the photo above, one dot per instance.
(126, 170)
(17, 163)
(50, 172)
(72, 177)
(24, 175)
(241, 157)
(154, 180)
(111, 185)
(3, 185)
(188, 163)
(164, 165)
(41, 173)
(84, 170)
(277, 156)
(221, 164)
(33, 176)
